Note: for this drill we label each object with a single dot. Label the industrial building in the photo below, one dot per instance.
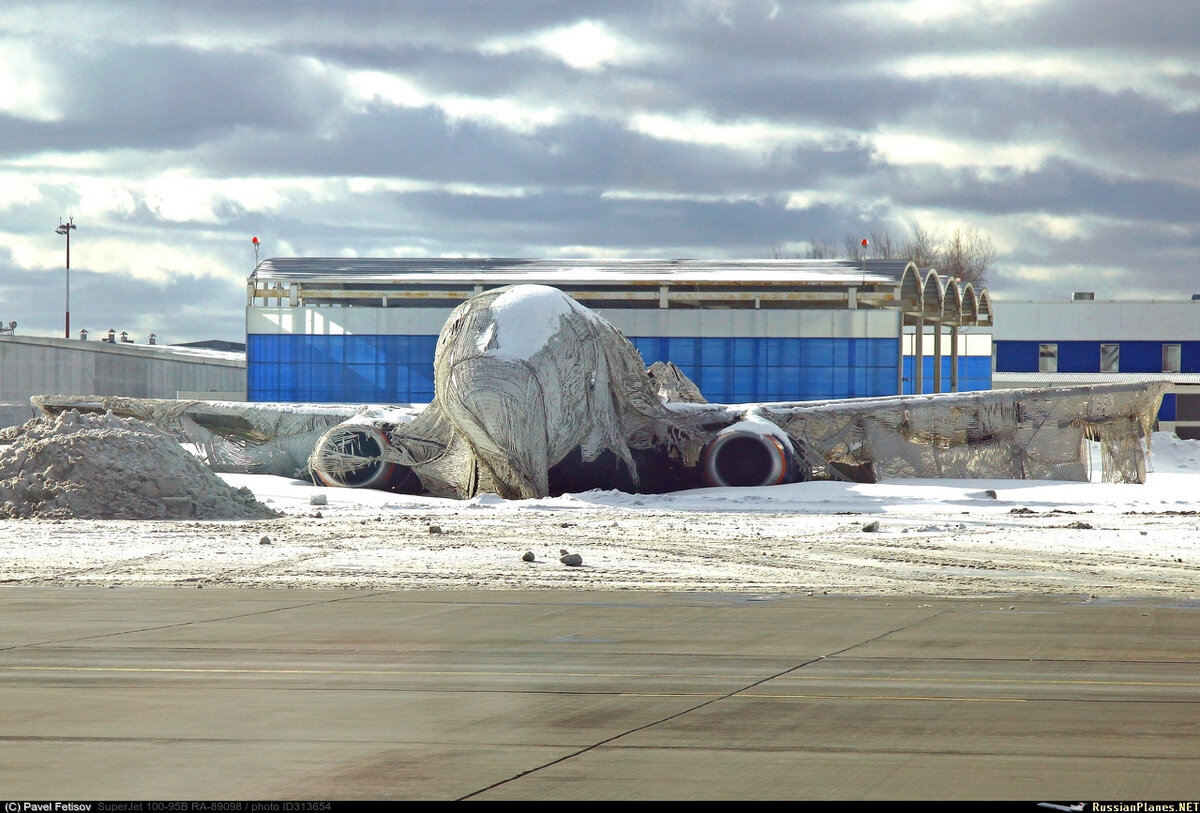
(37, 365)
(364, 330)
(1086, 340)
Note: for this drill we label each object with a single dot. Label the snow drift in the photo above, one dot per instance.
(104, 467)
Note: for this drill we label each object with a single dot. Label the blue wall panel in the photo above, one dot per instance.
(783, 352)
(399, 369)
(1084, 357)
(815, 352)
(974, 373)
(682, 352)
(814, 382)
(1015, 357)
(736, 370)
(1189, 357)
(1141, 357)
(1167, 411)
(1078, 357)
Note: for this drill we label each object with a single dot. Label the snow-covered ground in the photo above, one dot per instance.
(932, 537)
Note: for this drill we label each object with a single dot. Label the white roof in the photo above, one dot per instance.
(1051, 379)
(492, 271)
(159, 350)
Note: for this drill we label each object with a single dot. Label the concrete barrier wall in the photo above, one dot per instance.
(35, 365)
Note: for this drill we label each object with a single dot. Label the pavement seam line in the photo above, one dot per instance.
(185, 623)
(699, 706)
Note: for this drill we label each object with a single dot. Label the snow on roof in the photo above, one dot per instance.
(160, 350)
(589, 271)
(1051, 379)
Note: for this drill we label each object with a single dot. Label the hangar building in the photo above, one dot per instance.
(364, 330)
(1088, 340)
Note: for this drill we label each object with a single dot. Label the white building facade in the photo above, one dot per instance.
(1087, 340)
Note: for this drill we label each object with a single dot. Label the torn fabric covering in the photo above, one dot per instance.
(524, 375)
(1031, 434)
(535, 394)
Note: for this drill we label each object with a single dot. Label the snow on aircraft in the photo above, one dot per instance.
(536, 395)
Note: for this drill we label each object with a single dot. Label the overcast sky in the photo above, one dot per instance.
(1068, 131)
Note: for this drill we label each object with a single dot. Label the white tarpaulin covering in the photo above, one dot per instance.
(527, 380)
(524, 375)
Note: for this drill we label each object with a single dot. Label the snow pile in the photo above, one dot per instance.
(105, 467)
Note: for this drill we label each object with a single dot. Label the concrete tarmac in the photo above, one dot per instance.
(210, 694)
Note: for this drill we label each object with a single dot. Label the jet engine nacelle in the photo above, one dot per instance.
(744, 456)
(356, 455)
(352, 455)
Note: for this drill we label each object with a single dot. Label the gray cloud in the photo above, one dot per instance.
(178, 310)
(161, 98)
(421, 144)
(254, 102)
(1058, 188)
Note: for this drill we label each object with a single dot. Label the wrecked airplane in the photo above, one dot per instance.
(536, 395)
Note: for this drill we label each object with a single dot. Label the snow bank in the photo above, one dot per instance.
(75, 466)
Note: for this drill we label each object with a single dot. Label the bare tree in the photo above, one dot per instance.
(966, 256)
(885, 247)
(822, 250)
(922, 248)
(880, 245)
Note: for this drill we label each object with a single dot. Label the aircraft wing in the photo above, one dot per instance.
(537, 395)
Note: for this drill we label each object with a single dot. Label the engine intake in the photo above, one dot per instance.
(352, 456)
(743, 457)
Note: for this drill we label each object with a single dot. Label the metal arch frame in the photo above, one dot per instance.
(930, 299)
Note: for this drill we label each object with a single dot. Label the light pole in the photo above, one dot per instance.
(65, 228)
